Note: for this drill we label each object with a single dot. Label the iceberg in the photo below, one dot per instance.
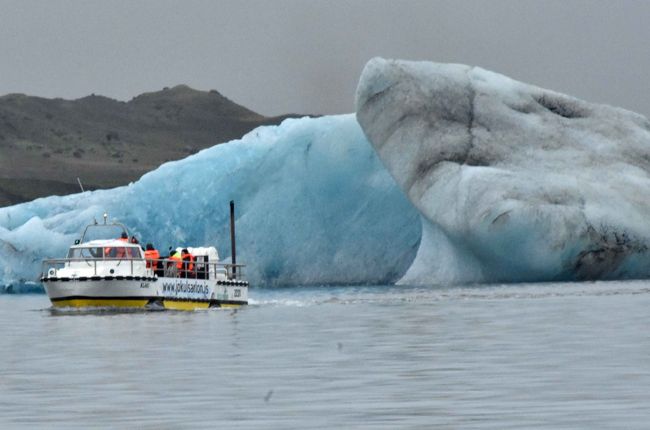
(447, 174)
(314, 206)
(513, 182)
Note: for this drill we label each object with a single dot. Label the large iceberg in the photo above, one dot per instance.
(514, 182)
(314, 206)
(492, 180)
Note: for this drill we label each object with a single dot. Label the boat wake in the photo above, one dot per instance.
(393, 295)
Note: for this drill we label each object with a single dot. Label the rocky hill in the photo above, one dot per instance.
(46, 144)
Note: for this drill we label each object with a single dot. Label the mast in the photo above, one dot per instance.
(232, 239)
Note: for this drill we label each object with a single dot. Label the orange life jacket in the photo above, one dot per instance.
(151, 255)
(188, 260)
(179, 261)
(124, 239)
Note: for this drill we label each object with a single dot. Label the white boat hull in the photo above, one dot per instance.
(143, 292)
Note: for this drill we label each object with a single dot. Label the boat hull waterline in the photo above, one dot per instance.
(145, 292)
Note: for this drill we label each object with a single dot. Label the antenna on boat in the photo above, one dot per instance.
(232, 239)
(80, 186)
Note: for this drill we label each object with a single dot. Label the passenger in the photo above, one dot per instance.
(133, 252)
(159, 268)
(175, 256)
(152, 255)
(120, 252)
(188, 263)
(134, 240)
(115, 253)
(169, 263)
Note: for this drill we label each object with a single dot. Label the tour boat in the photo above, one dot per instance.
(113, 273)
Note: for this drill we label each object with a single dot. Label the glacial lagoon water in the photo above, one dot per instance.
(552, 356)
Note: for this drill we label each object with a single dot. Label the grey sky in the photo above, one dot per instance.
(306, 56)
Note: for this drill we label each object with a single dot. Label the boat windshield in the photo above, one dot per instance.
(108, 252)
(96, 252)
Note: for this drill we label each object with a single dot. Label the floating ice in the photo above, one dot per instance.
(512, 183)
(515, 183)
(314, 206)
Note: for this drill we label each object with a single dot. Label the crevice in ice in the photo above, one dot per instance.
(501, 219)
(379, 94)
(470, 123)
(470, 157)
(563, 108)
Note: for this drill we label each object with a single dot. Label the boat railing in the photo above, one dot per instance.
(172, 268)
(162, 267)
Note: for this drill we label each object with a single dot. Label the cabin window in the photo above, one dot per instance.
(116, 252)
(86, 253)
(123, 252)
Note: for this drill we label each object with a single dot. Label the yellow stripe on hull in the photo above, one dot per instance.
(180, 305)
(102, 303)
(185, 305)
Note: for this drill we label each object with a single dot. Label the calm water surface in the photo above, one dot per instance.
(555, 356)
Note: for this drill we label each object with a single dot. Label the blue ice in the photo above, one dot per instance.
(314, 206)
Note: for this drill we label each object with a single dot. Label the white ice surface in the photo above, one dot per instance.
(515, 182)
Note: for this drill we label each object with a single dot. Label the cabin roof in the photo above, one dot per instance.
(106, 242)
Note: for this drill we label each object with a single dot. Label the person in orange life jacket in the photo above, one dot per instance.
(188, 261)
(132, 252)
(120, 252)
(150, 255)
(112, 252)
(175, 256)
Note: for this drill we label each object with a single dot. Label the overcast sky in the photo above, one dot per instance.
(306, 56)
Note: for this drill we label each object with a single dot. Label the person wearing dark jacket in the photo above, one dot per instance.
(188, 263)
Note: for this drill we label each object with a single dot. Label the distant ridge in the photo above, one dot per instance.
(45, 144)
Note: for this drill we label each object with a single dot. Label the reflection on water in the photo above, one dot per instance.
(518, 356)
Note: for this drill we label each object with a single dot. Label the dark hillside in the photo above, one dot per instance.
(45, 144)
